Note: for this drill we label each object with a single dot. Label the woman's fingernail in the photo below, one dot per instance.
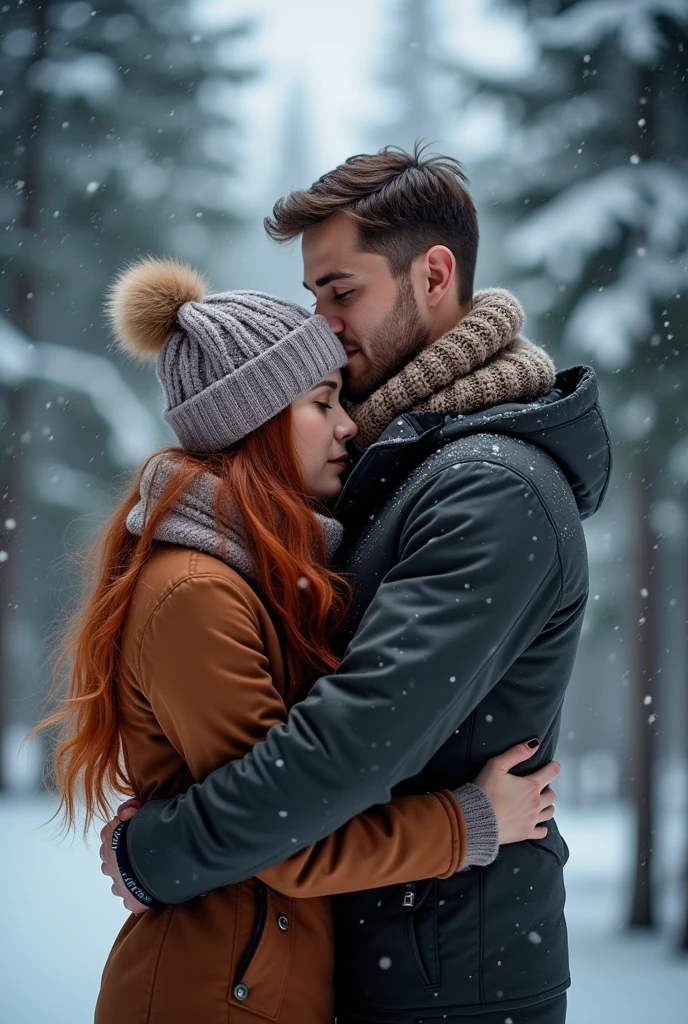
(533, 744)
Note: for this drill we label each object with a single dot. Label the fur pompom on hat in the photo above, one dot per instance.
(227, 362)
(144, 300)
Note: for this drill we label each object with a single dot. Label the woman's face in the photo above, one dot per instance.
(320, 430)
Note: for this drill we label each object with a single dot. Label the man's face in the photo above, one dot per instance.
(376, 316)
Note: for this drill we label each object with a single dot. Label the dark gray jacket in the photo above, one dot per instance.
(470, 574)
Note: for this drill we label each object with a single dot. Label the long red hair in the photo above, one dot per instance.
(261, 478)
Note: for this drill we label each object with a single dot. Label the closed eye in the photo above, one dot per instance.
(324, 405)
(343, 295)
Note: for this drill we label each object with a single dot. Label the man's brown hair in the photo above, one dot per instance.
(404, 203)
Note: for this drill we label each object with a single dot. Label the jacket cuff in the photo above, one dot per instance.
(482, 830)
(119, 845)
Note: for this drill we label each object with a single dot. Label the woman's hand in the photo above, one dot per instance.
(520, 803)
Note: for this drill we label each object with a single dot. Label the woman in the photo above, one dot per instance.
(210, 615)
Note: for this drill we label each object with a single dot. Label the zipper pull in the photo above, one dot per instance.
(409, 896)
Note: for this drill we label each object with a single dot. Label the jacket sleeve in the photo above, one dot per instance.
(477, 578)
(219, 712)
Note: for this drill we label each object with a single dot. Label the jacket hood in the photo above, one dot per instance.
(567, 423)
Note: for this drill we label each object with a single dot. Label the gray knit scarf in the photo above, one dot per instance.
(481, 362)
(191, 522)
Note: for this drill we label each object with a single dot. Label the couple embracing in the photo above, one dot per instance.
(329, 634)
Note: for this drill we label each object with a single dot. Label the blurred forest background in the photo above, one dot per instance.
(171, 126)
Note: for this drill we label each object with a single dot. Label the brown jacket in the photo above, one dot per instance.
(202, 680)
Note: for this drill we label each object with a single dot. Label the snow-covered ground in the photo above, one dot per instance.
(59, 919)
(621, 977)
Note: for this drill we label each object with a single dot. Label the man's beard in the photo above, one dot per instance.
(392, 343)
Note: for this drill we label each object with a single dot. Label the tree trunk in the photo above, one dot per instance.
(9, 511)
(25, 295)
(683, 940)
(25, 284)
(643, 666)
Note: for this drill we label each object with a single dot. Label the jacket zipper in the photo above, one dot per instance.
(411, 898)
(409, 895)
(262, 901)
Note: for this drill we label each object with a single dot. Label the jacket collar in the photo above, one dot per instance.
(567, 423)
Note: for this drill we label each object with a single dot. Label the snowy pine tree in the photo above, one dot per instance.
(592, 177)
(412, 77)
(128, 115)
(118, 126)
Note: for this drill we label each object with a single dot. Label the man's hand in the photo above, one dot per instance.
(108, 857)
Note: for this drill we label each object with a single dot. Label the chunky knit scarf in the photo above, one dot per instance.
(481, 362)
(191, 522)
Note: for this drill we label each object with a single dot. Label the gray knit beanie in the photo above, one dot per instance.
(228, 362)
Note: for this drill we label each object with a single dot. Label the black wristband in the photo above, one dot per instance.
(119, 845)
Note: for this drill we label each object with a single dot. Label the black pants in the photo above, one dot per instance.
(551, 1012)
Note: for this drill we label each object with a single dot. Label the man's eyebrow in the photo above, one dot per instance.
(334, 275)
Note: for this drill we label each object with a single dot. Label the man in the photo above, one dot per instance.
(466, 553)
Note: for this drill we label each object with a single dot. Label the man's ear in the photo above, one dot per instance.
(440, 273)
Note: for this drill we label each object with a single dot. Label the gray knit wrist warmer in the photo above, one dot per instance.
(482, 831)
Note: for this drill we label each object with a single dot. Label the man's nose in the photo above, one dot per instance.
(335, 322)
